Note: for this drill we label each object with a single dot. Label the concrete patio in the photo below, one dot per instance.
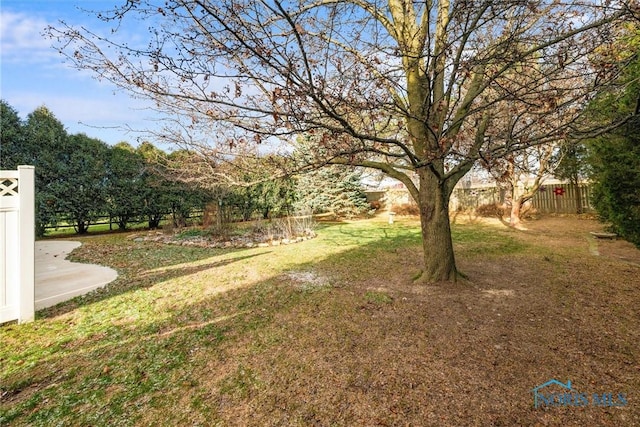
(57, 279)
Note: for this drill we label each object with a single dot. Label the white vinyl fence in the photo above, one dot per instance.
(17, 244)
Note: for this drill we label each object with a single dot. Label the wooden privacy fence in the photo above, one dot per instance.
(17, 245)
(551, 198)
(473, 197)
(563, 198)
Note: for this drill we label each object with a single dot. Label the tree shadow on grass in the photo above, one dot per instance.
(276, 352)
(142, 264)
(141, 362)
(393, 234)
(128, 281)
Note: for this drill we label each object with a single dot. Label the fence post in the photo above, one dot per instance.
(26, 181)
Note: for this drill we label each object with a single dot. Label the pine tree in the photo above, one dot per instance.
(615, 157)
(333, 189)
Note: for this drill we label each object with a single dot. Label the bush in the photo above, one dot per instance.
(616, 173)
(286, 228)
(407, 209)
(490, 210)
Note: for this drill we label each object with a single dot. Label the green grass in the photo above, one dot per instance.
(475, 239)
(377, 298)
(127, 354)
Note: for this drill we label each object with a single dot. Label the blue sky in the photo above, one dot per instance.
(32, 73)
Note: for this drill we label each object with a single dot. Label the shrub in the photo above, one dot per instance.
(616, 173)
(490, 210)
(407, 209)
(286, 228)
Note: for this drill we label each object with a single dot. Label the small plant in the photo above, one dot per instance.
(377, 298)
(191, 233)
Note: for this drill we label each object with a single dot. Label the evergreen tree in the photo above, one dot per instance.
(615, 162)
(82, 198)
(335, 189)
(271, 197)
(572, 167)
(125, 184)
(11, 137)
(157, 189)
(615, 157)
(44, 146)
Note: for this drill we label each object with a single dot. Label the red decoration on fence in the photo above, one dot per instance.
(558, 191)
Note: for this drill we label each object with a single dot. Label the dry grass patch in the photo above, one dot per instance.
(333, 332)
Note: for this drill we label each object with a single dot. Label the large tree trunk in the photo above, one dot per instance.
(439, 260)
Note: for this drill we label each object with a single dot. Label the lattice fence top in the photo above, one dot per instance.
(17, 237)
(8, 187)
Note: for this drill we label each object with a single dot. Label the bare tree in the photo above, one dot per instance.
(521, 175)
(402, 86)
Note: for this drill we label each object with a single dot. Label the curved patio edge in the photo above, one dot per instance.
(58, 279)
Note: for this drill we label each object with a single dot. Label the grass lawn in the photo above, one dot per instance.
(332, 332)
